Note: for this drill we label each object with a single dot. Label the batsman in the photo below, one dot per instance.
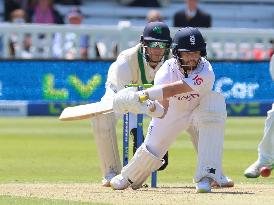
(136, 65)
(181, 100)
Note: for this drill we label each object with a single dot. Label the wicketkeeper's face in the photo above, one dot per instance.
(156, 50)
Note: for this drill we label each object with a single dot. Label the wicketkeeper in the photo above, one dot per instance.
(266, 146)
(181, 100)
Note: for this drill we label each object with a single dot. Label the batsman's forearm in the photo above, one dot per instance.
(175, 88)
(166, 91)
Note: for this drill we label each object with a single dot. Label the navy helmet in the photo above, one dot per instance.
(156, 31)
(188, 39)
(156, 34)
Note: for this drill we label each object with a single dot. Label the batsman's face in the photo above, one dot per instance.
(190, 58)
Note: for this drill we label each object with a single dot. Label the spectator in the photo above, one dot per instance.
(153, 15)
(192, 16)
(70, 47)
(144, 3)
(18, 16)
(69, 2)
(17, 48)
(44, 12)
(11, 5)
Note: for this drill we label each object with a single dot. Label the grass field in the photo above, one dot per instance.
(45, 161)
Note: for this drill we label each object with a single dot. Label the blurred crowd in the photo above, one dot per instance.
(44, 12)
(71, 46)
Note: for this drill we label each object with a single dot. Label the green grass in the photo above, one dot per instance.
(4, 200)
(46, 150)
(35, 150)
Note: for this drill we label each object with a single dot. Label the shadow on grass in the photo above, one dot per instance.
(233, 192)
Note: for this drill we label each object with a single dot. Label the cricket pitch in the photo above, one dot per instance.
(241, 194)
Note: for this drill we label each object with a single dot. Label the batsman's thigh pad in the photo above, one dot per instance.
(266, 146)
(212, 109)
(106, 141)
(210, 117)
(140, 167)
(163, 132)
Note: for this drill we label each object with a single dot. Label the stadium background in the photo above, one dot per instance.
(43, 82)
(30, 88)
(45, 161)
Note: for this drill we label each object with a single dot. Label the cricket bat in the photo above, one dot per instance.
(87, 111)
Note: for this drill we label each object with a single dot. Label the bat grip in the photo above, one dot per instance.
(143, 98)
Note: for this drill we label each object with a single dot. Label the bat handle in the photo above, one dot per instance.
(143, 98)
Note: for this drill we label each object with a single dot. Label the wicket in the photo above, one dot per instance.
(139, 135)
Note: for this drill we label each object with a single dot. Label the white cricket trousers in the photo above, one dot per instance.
(163, 132)
(266, 146)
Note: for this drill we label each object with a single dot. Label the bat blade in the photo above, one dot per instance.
(82, 112)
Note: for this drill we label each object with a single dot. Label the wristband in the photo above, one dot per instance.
(155, 93)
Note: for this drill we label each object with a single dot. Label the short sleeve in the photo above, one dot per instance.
(162, 74)
(202, 81)
(119, 74)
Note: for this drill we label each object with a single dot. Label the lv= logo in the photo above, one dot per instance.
(85, 90)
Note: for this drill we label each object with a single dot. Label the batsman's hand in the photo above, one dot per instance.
(142, 96)
(127, 100)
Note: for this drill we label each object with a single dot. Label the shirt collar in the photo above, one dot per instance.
(191, 13)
